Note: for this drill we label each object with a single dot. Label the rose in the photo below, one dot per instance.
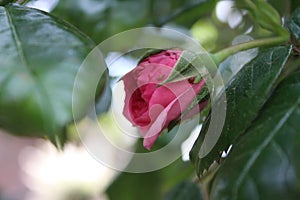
(150, 106)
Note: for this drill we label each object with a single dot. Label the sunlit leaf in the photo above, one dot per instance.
(40, 57)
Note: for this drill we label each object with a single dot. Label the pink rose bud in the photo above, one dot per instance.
(151, 107)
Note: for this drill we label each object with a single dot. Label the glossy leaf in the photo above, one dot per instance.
(245, 96)
(185, 190)
(293, 23)
(229, 67)
(265, 164)
(40, 57)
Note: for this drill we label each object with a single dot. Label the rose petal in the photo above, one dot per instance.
(152, 73)
(152, 108)
(130, 86)
(168, 58)
(169, 113)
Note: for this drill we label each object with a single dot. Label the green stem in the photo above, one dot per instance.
(223, 54)
(204, 192)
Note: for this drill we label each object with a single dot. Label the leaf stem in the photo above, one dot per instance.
(204, 191)
(223, 54)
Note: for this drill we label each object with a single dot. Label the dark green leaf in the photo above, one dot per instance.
(295, 4)
(185, 190)
(151, 185)
(293, 23)
(265, 164)
(184, 13)
(101, 19)
(40, 57)
(4, 2)
(104, 101)
(129, 186)
(245, 96)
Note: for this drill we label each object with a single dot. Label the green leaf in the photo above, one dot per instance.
(264, 14)
(101, 19)
(293, 23)
(4, 2)
(40, 57)
(185, 190)
(104, 101)
(245, 96)
(90, 16)
(281, 6)
(265, 164)
(231, 65)
(185, 13)
(151, 185)
(190, 65)
(294, 4)
(135, 186)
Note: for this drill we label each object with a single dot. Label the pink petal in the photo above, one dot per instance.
(160, 118)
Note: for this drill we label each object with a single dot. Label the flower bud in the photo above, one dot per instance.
(150, 106)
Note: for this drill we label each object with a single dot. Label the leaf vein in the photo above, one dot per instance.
(46, 106)
(17, 40)
(260, 148)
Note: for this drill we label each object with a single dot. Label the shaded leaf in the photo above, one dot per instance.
(245, 96)
(294, 4)
(40, 57)
(4, 2)
(129, 186)
(281, 6)
(265, 164)
(293, 23)
(101, 19)
(185, 190)
(184, 13)
(104, 101)
(151, 185)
